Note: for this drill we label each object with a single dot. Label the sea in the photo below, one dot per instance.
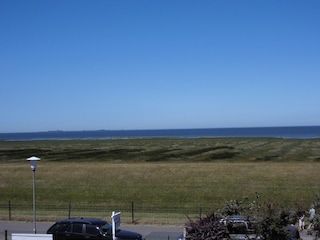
(298, 132)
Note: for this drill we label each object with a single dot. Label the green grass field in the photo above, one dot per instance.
(162, 172)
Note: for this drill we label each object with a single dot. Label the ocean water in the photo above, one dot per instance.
(306, 132)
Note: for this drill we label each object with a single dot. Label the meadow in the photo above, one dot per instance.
(162, 172)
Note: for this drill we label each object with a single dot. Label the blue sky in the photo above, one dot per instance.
(158, 64)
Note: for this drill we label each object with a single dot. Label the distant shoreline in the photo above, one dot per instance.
(302, 132)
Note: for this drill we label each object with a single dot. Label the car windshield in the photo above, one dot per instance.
(106, 228)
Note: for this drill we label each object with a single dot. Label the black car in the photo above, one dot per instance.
(241, 227)
(88, 228)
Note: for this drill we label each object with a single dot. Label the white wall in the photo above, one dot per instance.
(25, 236)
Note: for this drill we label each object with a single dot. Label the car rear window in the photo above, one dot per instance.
(237, 228)
(59, 227)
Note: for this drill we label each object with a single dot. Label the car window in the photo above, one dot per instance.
(107, 228)
(237, 227)
(77, 227)
(92, 230)
(59, 227)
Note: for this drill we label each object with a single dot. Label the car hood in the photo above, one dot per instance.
(128, 235)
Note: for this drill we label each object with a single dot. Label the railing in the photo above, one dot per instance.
(130, 213)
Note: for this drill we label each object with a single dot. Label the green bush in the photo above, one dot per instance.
(206, 228)
(273, 224)
(268, 221)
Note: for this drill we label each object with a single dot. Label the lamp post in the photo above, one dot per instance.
(33, 162)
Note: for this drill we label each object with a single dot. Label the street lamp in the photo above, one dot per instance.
(33, 162)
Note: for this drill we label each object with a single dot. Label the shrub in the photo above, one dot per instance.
(209, 227)
(270, 225)
(273, 224)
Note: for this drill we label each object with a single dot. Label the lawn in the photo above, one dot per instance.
(162, 172)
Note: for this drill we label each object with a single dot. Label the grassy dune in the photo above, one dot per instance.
(162, 172)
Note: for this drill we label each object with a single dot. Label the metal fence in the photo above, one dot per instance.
(130, 213)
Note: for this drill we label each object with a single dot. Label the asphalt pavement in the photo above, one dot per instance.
(149, 232)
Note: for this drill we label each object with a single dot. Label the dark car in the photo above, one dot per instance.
(88, 228)
(238, 228)
(241, 227)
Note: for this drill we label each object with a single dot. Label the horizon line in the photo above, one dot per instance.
(159, 129)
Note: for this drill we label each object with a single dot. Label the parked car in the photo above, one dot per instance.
(241, 227)
(88, 228)
(238, 227)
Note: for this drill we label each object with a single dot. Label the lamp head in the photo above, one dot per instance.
(33, 162)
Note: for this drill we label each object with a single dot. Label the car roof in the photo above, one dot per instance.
(95, 221)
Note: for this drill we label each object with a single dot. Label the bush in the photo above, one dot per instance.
(209, 227)
(270, 225)
(273, 224)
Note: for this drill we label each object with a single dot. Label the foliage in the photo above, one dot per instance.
(315, 226)
(207, 228)
(244, 206)
(317, 202)
(316, 223)
(271, 224)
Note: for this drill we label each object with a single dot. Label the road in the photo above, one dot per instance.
(150, 232)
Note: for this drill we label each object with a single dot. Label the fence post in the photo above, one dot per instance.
(132, 212)
(6, 235)
(9, 210)
(69, 210)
